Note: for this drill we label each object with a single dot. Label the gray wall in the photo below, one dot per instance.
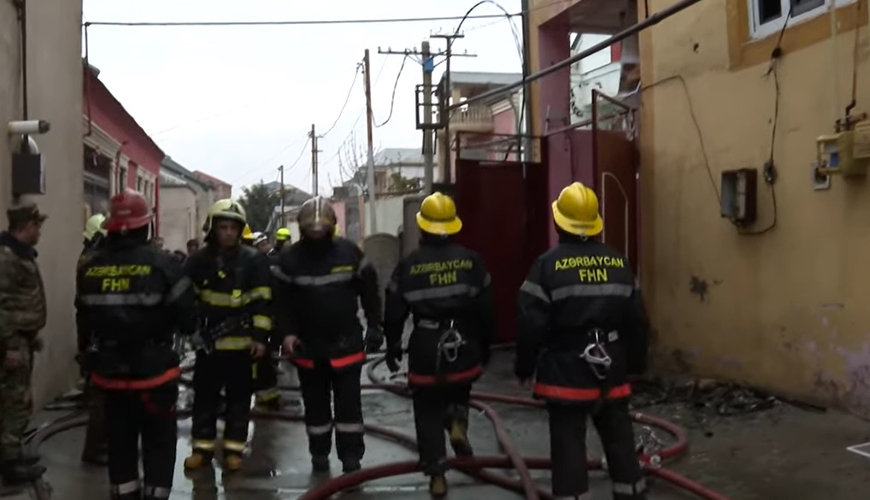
(179, 220)
(55, 85)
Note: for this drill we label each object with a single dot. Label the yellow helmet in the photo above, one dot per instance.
(247, 234)
(282, 234)
(576, 211)
(437, 215)
(225, 209)
(94, 226)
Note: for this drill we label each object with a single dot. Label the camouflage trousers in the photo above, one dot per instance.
(15, 399)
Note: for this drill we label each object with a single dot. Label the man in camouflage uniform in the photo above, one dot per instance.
(22, 315)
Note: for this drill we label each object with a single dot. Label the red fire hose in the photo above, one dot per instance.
(472, 466)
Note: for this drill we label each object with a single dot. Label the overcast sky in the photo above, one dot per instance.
(268, 84)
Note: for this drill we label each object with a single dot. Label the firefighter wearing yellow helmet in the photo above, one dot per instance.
(327, 278)
(452, 307)
(233, 282)
(248, 236)
(282, 241)
(95, 450)
(582, 332)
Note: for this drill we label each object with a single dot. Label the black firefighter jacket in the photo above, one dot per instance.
(130, 299)
(574, 289)
(235, 293)
(321, 286)
(439, 283)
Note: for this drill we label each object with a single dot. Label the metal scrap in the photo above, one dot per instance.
(703, 396)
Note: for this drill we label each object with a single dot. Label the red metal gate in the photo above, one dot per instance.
(615, 166)
(504, 209)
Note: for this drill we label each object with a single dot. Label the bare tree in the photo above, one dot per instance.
(352, 162)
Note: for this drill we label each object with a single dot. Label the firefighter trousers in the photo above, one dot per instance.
(435, 409)
(319, 386)
(229, 370)
(568, 450)
(149, 415)
(95, 435)
(266, 379)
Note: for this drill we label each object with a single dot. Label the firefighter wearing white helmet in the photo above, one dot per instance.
(446, 288)
(582, 331)
(234, 288)
(326, 278)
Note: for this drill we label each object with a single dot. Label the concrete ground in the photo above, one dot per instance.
(780, 453)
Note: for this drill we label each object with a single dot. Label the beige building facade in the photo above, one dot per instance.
(54, 76)
(779, 303)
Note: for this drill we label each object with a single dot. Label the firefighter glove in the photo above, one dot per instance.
(394, 356)
(374, 338)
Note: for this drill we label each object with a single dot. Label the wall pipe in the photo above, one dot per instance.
(631, 30)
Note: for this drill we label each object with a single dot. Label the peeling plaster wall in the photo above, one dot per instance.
(786, 310)
(54, 84)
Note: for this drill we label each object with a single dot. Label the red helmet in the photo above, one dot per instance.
(128, 210)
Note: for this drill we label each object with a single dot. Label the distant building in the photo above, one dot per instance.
(222, 189)
(118, 154)
(397, 171)
(184, 202)
(487, 130)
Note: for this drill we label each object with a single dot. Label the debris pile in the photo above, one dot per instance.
(705, 396)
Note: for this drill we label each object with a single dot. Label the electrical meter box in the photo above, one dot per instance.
(739, 194)
(846, 153)
(28, 174)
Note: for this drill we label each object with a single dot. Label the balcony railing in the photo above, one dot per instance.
(474, 118)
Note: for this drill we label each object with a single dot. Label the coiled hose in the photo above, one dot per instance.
(472, 466)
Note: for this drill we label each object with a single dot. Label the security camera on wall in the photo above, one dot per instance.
(29, 127)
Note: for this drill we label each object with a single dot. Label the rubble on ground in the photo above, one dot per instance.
(702, 396)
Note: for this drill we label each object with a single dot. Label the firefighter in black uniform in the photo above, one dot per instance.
(234, 287)
(322, 282)
(446, 288)
(130, 299)
(580, 310)
(94, 450)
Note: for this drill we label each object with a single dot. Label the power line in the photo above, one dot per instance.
(346, 100)
(395, 86)
(244, 175)
(294, 23)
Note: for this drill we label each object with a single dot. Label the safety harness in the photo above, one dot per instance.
(449, 343)
(596, 355)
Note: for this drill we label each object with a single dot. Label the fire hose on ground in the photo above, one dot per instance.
(473, 466)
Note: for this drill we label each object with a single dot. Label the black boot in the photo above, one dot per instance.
(19, 472)
(349, 466)
(320, 464)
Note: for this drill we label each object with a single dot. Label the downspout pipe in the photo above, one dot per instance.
(566, 63)
(527, 154)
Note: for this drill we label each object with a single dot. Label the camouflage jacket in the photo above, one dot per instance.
(22, 293)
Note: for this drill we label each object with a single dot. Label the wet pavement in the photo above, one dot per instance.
(780, 453)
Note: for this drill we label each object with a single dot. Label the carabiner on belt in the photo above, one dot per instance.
(596, 355)
(450, 342)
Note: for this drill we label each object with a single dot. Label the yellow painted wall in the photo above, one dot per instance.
(786, 310)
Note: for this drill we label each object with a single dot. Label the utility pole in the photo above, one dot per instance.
(283, 222)
(314, 152)
(370, 168)
(428, 146)
(424, 123)
(446, 96)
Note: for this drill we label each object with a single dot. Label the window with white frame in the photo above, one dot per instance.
(767, 17)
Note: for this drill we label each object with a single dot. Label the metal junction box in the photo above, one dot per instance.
(28, 174)
(739, 189)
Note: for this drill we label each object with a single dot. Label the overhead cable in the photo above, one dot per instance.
(346, 100)
(393, 98)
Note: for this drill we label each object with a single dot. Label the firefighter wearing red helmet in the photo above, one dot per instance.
(233, 281)
(130, 300)
(323, 280)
